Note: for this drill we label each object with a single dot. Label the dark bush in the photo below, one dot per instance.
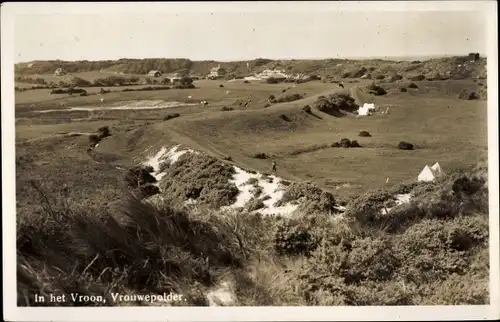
(260, 155)
(345, 143)
(225, 108)
(94, 139)
(148, 190)
(355, 144)
(335, 102)
(272, 97)
(103, 132)
(376, 89)
(364, 134)
(417, 78)
(221, 85)
(171, 116)
(267, 105)
(307, 109)
(380, 77)
(136, 177)
(272, 80)
(246, 82)
(405, 146)
(466, 95)
(403, 90)
(293, 238)
(412, 85)
(285, 118)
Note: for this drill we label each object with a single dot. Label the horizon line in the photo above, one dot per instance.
(386, 57)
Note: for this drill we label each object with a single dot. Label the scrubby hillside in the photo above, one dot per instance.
(459, 67)
(431, 250)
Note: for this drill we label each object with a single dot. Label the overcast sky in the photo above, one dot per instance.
(225, 36)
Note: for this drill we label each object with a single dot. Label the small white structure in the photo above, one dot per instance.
(102, 100)
(436, 169)
(366, 109)
(430, 173)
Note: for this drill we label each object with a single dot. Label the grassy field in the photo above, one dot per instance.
(66, 194)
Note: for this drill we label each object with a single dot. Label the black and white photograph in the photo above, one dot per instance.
(252, 161)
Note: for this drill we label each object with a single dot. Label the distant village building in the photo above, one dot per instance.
(154, 73)
(473, 57)
(217, 72)
(276, 73)
(59, 72)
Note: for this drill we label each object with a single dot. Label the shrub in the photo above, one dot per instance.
(267, 105)
(272, 97)
(255, 204)
(314, 199)
(417, 78)
(467, 95)
(364, 134)
(221, 85)
(394, 78)
(376, 89)
(272, 80)
(94, 139)
(260, 155)
(307, 109)
(285, 118)
(403, 90)
(294, 238)
(412, 85)
(289, 98)
(345, 143)
(224, 108)
(171, 116)
(246, 82)
(200, 177)
(103, 132)
(335, 102)
(355, 144)
(405, 146)
(137, 177)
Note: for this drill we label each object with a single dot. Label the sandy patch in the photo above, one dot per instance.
(134, 105)
(223, 295)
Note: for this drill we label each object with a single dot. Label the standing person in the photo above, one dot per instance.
(274, 166)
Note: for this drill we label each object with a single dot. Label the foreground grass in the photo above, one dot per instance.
(433, 250)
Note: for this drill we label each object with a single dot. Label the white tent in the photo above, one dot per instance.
(430, 173)
(426, 174)
(436, 169)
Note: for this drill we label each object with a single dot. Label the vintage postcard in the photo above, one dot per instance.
(253, 161)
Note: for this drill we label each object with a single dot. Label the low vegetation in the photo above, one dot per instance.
(431, 251)
(335, 103)
(201, 178)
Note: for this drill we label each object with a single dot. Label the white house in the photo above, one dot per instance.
(154, 73)
(217, 72)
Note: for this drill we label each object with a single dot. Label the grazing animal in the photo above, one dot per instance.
(204, 103)
(274, 166)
